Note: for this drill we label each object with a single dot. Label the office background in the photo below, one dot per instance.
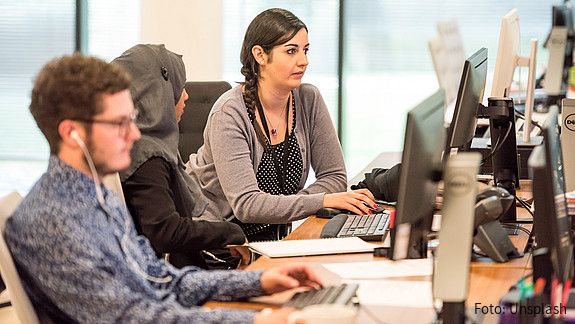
(384, 66)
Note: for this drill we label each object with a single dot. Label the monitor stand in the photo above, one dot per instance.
(529, 62)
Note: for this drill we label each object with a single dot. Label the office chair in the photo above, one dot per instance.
(203, 95)
(24, 309)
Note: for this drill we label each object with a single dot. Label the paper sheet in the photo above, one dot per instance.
(381, 269)
(289, 248)
(394, 293)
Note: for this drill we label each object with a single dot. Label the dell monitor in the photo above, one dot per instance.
(562, 16)
(471, 87)
(507, 59)
(559, 44)
(551, 223)
(421, 161)
(507, 53)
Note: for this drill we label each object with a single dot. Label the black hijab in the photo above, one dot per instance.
(158, 79)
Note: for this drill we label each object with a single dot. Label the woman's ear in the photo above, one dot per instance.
(259, 54)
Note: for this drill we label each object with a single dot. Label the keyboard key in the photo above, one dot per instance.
(355, 221)
(362, 221)
(348, 223)
(340, 295)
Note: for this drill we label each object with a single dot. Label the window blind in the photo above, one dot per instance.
(31, 33)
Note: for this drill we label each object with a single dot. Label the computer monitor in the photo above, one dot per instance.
(471, 88)
(551, 223)
(562, 16)
(507, 53)
(556, 76)
(421, 161)
(559, 44)
(507, 59)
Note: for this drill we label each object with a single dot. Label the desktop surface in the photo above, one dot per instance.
(489, 281)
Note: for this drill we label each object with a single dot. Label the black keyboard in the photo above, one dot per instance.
(340, 295)
(367, 227)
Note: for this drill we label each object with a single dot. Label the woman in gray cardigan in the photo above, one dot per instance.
(263, 136)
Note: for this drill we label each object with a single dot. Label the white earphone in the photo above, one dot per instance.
(74, 135)
(125, 238)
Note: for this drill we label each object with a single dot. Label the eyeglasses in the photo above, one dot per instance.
(124, 125)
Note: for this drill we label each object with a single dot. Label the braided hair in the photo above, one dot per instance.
(270, 28)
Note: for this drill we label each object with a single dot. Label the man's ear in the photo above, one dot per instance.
(70, 133)
(259, 55)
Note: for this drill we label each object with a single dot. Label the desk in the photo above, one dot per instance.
(488, 280)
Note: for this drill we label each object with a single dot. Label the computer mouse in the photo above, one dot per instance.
(492, 191)
(491, 204)
(377, 210)
(327, 212)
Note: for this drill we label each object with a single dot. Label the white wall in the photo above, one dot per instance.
(192, 28)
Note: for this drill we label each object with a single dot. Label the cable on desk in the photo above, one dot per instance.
(480, 254)
(529, 275)
(498, 144)
(522, 116)
(516, 226)
(524, 204)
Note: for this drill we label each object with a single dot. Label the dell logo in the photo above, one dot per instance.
(459, 183)
(557, 41)
(569, 122)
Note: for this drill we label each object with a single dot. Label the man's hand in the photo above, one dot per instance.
(288, 277)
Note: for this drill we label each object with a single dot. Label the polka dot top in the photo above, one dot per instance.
(267, 175)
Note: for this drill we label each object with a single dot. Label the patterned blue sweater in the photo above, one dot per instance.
(68, 252)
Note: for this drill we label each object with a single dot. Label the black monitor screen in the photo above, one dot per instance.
(470, 95)
(562, 15)
(551, 224)
(424, 138)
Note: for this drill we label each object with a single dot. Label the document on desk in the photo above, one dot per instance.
(394, 293)
(382, 269)
(288, 248)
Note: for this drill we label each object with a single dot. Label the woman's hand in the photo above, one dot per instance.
(243, 252)
(357, 201)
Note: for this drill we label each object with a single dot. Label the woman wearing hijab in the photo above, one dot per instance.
(160, 195)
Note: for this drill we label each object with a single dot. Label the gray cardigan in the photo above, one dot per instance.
(225, 166)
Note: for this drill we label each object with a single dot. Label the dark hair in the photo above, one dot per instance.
(270, 28)
(71, 87)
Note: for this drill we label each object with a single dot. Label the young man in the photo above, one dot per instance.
(73, 241)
